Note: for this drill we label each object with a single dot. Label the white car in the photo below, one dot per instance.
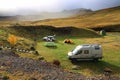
(86, 52)
(49, 38)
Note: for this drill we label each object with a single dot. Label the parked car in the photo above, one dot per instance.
(49, 38)
(86, 52)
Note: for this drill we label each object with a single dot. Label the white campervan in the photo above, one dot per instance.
(86, 52)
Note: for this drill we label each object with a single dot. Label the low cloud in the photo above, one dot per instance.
(28, 6)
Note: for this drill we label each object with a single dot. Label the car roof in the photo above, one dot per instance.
(50, 36)
(87, 45)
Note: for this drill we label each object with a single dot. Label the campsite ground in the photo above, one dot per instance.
(25, 38)
(110, 44)
(111, 51)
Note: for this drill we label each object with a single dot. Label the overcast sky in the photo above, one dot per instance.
(22, 6)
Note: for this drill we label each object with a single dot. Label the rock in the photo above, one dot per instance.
(36, 53)
(56, 62)
(108, 70)
(9, 53)
(75, 67)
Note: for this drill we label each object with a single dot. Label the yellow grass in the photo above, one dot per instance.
(100, 18)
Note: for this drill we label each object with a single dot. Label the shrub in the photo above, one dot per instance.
(0, 48)
(32, 48)
(5, 77)
(50, 44)
(12, 39)
(56, 62)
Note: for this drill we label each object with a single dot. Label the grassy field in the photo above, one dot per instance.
(111, 54)
(110, 44)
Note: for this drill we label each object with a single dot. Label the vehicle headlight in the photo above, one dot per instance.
(69, 53)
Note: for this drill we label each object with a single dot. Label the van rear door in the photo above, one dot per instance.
(97, 51)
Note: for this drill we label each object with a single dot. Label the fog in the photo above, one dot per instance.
(18, 7)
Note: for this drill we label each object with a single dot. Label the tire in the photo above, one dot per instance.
(73, 60)
(95, 59)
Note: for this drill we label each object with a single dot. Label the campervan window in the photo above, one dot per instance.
(79, 52)
(86, 51)
(97, 47)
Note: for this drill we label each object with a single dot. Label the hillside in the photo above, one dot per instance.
(108, 19)
(37, 32)
(53, 15)
(8, 18)
(32, 15)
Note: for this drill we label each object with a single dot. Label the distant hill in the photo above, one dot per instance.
(8, 18)
(47, 15)
(108, 19)
(52, 15)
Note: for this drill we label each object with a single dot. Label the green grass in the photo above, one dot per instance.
(110, 43)
(111, 55)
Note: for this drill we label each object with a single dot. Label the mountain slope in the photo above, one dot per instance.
(32, 16)
(106, 18)
(8, 18)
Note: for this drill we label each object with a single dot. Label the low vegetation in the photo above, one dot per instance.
(110, 44)
(110, 59)
(12, 40)
(50, 45)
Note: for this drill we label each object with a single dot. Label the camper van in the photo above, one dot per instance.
(86, 52)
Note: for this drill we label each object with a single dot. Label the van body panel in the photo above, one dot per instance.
(87, 51)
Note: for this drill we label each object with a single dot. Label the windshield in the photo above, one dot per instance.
(75, 51)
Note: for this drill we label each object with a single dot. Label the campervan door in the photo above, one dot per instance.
(84, 53)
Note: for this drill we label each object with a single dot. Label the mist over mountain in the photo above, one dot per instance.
(45, 15)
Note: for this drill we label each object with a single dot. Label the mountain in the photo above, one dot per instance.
(108, 19)
(47, 15)
(52, 15)
(8, 18)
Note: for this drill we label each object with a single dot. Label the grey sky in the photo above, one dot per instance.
(90, 4)
(24, 6)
